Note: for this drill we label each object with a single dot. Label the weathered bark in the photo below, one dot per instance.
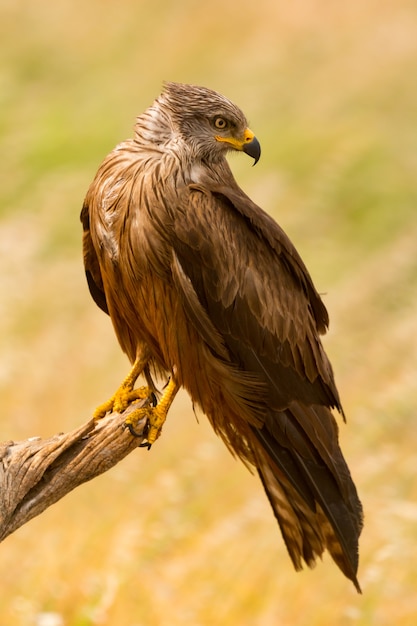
(36, 473)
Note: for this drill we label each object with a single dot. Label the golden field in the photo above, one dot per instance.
(184, 534)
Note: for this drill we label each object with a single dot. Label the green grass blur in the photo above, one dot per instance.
(184, 534)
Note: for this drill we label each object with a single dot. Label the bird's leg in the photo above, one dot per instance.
(156, 415)
(126, 394)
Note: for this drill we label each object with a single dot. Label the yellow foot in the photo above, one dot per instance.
(125, 395)
(156, 418)
(156, 415)
(121, 400)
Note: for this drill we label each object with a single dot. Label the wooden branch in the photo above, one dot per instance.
(36, 473)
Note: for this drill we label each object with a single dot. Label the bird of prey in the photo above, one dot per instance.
(203, 287)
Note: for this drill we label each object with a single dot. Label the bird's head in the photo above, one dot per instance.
(207, 122)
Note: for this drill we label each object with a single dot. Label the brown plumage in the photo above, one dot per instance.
(203, 286)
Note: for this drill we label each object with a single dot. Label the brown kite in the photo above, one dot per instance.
(206, 289)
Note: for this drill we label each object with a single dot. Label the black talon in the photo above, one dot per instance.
(133, 432)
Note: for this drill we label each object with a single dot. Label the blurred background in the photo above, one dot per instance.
(184, 534)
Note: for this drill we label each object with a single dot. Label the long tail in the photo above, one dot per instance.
(309, 486)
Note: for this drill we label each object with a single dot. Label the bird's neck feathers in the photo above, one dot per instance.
(153, 127)
(156, 131)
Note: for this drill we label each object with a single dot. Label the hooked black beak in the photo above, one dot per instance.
(253, 149)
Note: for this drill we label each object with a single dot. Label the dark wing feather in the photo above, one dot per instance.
(269, 231)
(91, 263)
(196, 312)
(259, 296)
(260, 299)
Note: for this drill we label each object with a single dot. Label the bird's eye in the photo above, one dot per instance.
(220, 123)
